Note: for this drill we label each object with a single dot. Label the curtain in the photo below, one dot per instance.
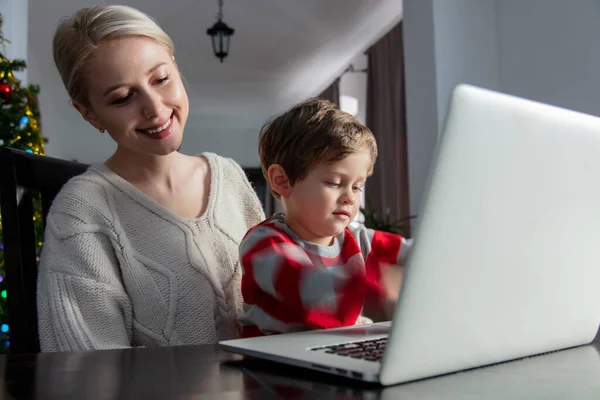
(387, 189)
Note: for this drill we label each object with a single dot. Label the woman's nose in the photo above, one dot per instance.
(151, 105)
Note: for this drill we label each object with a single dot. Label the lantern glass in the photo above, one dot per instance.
(220, 35)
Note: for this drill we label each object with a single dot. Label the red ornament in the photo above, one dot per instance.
(6, 91)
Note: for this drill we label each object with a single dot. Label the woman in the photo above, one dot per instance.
(143, 249)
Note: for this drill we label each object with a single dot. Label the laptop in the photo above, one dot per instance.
(506, 257)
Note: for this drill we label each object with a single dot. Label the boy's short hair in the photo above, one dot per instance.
(312, 132)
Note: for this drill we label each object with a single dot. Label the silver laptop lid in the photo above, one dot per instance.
(506, 261)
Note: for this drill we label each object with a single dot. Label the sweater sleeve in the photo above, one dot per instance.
(379, 247)
(389, 247)
(82, 304)
(386, 247)
(282, 280)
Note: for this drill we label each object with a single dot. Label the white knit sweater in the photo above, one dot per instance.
(119, 270)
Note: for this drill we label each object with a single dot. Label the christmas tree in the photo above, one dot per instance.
(19, 129)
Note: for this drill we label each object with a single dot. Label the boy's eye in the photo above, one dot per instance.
(333, 184)
(357, 189)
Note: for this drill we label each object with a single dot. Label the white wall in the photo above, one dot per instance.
(238, 140)
(545, 50)
(550, 51)
(466, 47)
(445, 43)
(354, 84)
(15, 28)
(421, 93)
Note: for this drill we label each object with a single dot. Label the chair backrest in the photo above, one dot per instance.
(21, 176)
(261, 187)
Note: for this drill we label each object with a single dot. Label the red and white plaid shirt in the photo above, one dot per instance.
(290, 285)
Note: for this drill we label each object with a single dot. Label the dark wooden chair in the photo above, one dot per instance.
(258, 181)
(22, 176)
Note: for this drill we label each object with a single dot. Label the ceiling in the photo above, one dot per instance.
(282, 51)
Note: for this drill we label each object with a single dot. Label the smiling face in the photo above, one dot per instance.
(324, 203)
(136, 95)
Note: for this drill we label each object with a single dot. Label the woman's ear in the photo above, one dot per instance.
(88, 115)
(278, 180)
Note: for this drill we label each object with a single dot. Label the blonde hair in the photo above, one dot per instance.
(77, 37)
(312, 132)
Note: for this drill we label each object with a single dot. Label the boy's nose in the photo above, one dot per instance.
(347, 198)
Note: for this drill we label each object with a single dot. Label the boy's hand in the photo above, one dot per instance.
(391, 284)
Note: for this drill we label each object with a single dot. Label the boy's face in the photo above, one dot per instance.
(327, 200)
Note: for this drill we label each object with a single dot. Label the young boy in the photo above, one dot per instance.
(307, 268)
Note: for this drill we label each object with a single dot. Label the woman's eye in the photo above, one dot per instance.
(163, 80)
(122, 100)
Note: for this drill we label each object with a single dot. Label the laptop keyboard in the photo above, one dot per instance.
(369, 350)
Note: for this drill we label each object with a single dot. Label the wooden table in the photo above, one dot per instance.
(206, 372)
